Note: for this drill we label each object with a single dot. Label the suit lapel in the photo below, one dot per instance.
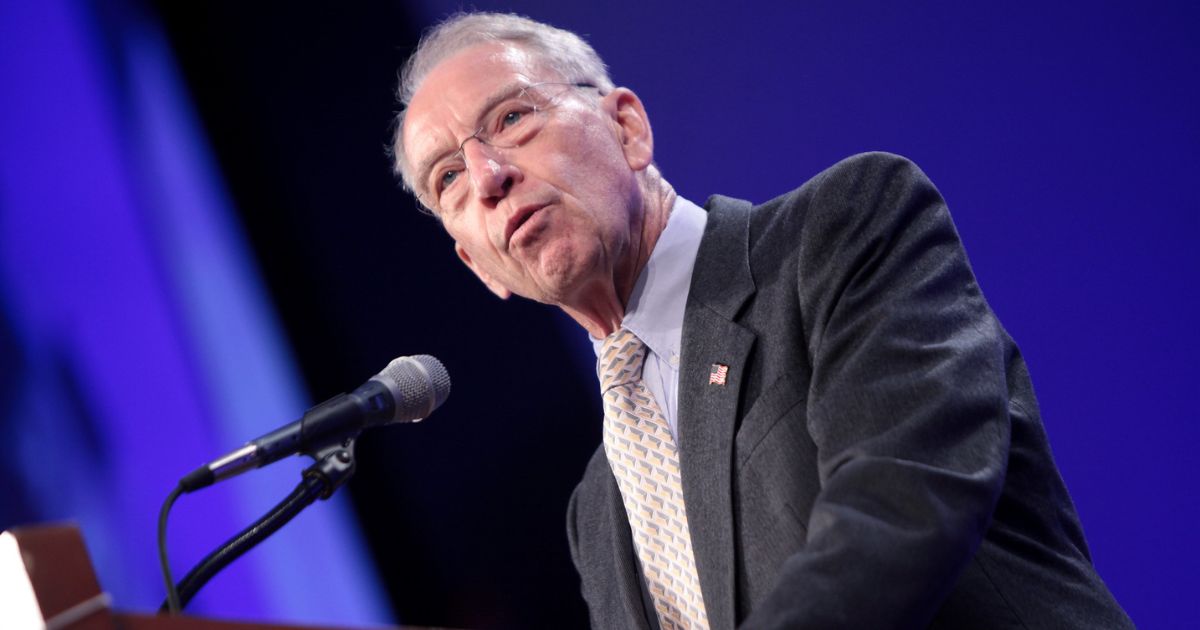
(721, 284)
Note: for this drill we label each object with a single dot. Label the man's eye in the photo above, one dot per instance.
(447, 179)
(511, 118)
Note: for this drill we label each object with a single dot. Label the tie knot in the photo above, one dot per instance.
(621, 357)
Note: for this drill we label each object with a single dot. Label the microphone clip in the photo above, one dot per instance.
(334, 466)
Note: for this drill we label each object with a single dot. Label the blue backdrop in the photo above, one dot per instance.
(139, 336)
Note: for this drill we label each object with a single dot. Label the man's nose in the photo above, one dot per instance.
(492, 174)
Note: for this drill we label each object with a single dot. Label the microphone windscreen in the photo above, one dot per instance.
(419, 384)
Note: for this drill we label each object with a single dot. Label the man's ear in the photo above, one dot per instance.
(495, 287)
(633, 124)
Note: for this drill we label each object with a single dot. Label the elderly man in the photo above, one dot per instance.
(812, 418)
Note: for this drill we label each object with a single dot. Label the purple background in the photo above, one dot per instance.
(198, 225)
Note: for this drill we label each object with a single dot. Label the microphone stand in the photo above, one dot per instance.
(334, 466)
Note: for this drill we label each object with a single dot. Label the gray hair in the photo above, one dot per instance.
(560, 50)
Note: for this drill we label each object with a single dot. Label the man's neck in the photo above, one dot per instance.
(602, 312)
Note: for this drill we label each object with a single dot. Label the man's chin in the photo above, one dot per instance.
(558, 273)
(557, 288)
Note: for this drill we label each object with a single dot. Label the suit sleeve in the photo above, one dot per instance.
(907, 404)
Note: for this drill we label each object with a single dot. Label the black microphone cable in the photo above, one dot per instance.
(172, 603)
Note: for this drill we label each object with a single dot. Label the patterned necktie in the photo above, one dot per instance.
(645, 461)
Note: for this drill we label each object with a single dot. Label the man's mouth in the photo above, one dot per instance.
(518, 220)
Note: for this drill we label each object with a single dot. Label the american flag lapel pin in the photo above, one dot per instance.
(718, 374)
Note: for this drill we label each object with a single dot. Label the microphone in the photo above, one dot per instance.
(407, 390)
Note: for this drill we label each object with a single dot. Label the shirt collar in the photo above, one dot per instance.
(659, 297)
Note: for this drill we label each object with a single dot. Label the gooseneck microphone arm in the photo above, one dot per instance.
(409, 389)
(333, 467)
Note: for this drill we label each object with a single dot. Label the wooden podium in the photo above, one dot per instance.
(47, 580)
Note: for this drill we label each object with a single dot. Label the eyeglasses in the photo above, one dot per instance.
(510, 122)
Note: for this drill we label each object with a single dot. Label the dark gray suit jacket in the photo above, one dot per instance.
(876, 458)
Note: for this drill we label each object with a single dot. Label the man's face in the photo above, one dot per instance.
(551, 219)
